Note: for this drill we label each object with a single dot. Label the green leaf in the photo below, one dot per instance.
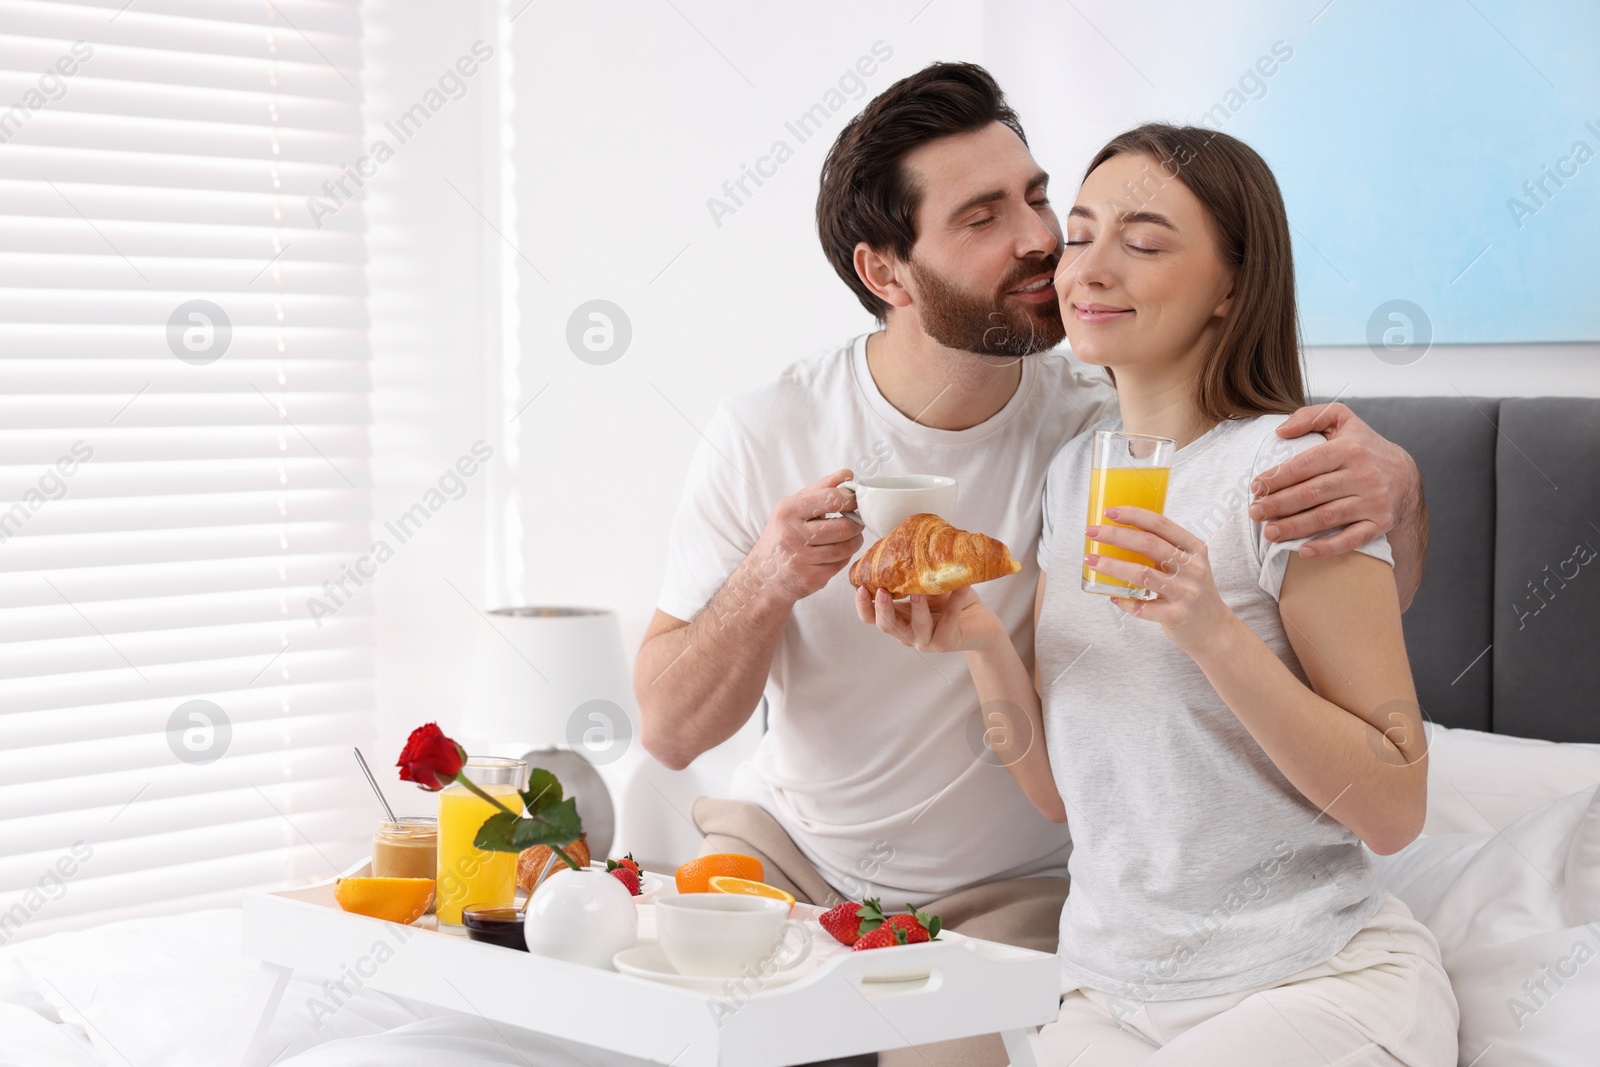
(555, 824)
(550, 820)
(544, 790)
(497, 833)
(871, 914)
(930, 923)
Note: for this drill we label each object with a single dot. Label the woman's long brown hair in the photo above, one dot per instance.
(1256, 366)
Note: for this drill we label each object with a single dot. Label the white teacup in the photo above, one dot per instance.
(885, 501)
(717, 935)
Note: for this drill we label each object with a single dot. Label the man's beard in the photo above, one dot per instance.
(986, 325)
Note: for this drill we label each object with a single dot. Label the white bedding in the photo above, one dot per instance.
(1511, 900)
(166, 992)
(1517, 916)
(1479, 781)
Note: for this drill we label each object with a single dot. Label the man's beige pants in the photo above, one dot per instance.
(1018, 911)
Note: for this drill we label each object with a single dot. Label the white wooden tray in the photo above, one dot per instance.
(838, 1009)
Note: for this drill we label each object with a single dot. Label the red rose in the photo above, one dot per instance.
(430, 758)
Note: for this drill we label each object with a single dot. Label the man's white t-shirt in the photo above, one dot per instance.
(872, 756)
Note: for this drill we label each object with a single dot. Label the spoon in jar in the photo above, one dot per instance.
(373, 782)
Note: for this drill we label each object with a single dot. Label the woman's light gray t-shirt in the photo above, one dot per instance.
(1197, 868)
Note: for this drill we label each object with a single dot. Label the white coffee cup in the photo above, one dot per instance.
(885, 501)
(718, 935)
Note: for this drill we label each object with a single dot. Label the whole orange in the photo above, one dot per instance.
(695, 876)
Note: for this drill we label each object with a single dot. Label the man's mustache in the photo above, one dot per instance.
(1030, 270)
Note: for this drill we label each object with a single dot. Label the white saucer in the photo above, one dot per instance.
(646, 960)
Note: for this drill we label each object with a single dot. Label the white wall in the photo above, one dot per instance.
(433, 306)
(1470, 370)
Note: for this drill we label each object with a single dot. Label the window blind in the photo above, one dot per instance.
(184, 400)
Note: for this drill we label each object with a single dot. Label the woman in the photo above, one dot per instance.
(1223, 750)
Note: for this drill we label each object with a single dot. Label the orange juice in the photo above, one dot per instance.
(1111, 487)
(467, 874)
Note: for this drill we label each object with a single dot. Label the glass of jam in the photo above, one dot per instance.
(496, 924)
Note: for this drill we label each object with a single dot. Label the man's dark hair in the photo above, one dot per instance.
(866, 194)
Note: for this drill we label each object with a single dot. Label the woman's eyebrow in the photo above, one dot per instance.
(1154, 218)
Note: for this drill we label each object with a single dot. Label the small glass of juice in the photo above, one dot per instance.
(1128, 470)
(466, 873)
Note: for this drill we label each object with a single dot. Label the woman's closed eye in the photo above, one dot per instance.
(1135, 248)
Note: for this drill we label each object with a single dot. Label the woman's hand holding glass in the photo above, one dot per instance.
(950, 622)
(1187, 604)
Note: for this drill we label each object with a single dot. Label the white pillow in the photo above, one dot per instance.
(1479, 781)
(1517, 917)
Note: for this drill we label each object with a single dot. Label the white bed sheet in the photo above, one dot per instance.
(167, 992)
(1517, 916)
(1479, 781)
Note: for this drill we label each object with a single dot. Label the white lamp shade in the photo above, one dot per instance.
(552, 676)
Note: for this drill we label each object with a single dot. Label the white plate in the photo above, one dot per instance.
(646, 960)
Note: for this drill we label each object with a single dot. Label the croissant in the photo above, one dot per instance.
(926, 555)
(531, 861)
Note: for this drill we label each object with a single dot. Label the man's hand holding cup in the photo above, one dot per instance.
(801, 548)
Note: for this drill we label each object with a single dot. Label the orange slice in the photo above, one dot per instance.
(693, 876)
(724, 883)
(397, 900)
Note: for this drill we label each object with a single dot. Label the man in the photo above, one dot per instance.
(871, 779)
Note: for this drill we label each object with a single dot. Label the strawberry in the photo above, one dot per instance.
(848, 921)
(918, 925)
(884, 936)
(915, 932)
(627, 877)
(626, 861)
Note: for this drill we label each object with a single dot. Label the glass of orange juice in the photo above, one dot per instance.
(1128, 470)
(468, 874)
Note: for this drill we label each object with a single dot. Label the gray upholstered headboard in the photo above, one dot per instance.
(1505, 632)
